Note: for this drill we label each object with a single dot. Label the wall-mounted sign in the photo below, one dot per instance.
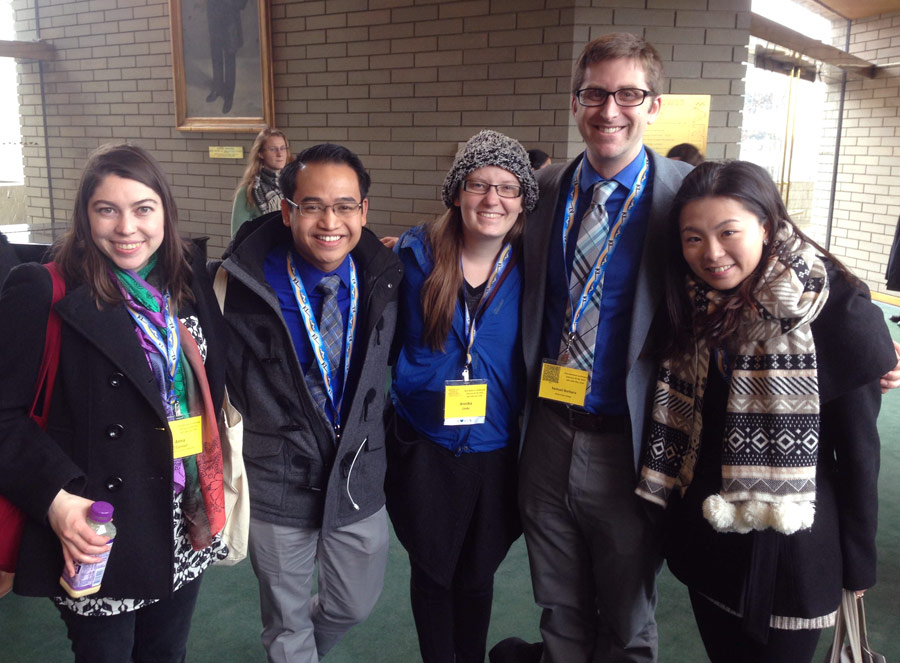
(683, 118)
(226, 152)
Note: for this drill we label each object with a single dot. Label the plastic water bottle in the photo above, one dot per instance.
(87, 577)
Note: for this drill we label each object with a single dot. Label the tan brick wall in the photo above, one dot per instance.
(401, 82)
(867, 189)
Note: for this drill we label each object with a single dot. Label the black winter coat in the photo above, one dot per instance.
(107, 436)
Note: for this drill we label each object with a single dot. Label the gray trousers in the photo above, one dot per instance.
(299, 627)
(593, 545)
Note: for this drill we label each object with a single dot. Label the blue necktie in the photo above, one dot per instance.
(331, 328)
(592, 236)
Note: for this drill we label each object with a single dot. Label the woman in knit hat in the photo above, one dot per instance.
(457, 394)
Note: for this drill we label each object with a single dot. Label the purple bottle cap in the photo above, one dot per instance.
(101, 512)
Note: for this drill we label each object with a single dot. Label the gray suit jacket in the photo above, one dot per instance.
(641, 370)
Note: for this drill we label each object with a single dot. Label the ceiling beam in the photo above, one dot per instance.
(27, 50)
(775, 33)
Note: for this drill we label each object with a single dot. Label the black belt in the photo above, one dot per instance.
(587, 421)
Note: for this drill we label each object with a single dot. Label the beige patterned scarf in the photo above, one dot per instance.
(770, 445)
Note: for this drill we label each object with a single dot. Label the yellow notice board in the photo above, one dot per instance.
(683, 118)
(226, 152)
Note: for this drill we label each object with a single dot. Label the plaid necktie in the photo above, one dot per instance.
(592, 236)
(331, 328)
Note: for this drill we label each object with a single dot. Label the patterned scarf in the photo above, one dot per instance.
(265, 192)
(203, 498)
(770, 444)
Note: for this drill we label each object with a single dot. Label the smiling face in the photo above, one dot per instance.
(274, 153)
(325, 241)
(721, 240)
(489, 216)
(127, 221)
(614, 134)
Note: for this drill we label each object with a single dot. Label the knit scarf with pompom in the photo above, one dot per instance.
(770, 445)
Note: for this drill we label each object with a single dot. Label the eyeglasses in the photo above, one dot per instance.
(627, 97)
(281, 148)
(481, 188)
(317, 210)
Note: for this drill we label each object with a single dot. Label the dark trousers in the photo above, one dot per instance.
(593, 545)
(157, 633)
(726, 642)
(452, 623)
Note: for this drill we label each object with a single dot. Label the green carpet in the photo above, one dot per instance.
(226, 623)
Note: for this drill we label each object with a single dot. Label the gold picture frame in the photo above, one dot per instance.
(223, 83)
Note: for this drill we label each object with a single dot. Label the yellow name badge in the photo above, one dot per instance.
(465, 403)
(563, 383)
(187, 436)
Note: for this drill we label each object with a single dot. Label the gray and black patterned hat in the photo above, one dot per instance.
(490, 148)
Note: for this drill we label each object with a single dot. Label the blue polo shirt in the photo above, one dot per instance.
(275, 269)
(607, 394)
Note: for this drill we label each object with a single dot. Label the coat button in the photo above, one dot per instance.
(113, 483)
(115, 380)
(115, 431)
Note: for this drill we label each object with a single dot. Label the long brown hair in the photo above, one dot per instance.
(440, 292)
(254, 162)
(753, 188)
(79, 258)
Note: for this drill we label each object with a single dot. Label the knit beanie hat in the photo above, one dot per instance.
(489, 148)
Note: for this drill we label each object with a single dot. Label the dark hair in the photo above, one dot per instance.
(537, 158)
(254, 161)
(323, 153)
(687, 153)
(618, 46)
(79, 258)
(753, 188)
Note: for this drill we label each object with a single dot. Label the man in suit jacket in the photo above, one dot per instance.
(592, 546)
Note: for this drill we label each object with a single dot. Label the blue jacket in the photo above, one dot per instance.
(420, 372)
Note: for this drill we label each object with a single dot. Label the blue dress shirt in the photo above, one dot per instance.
(607, 394)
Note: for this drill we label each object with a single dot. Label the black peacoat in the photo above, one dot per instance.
(107, 437)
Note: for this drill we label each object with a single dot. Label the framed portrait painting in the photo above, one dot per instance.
(222, 65)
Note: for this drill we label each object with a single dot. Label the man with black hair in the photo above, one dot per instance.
(311, 305)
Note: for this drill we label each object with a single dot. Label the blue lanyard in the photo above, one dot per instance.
(595, 280)
(169, 347)
(315, 337)
(502, 261)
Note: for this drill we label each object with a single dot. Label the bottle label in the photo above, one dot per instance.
(87, 577)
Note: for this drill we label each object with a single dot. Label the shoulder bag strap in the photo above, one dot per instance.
(40, 407)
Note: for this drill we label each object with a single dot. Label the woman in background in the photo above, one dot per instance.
(141, 349)
(451, 477)
(763, 441)
(259, 193)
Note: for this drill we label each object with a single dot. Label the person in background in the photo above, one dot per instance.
(142, 348)
(538, 159)
(763, 442)
(451, 480)
(311, 304)
(259, 192)
(687, 153)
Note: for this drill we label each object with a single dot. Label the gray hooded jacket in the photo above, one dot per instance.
(299, 474)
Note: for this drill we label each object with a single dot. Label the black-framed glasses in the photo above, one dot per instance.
(343, 210)
(481, 188)
(627, 97)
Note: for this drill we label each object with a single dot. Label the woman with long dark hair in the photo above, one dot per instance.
(140, 363)
(763, 441)
(457, 393)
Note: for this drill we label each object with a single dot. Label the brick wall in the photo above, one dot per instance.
(867, 189)
(401, 82)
